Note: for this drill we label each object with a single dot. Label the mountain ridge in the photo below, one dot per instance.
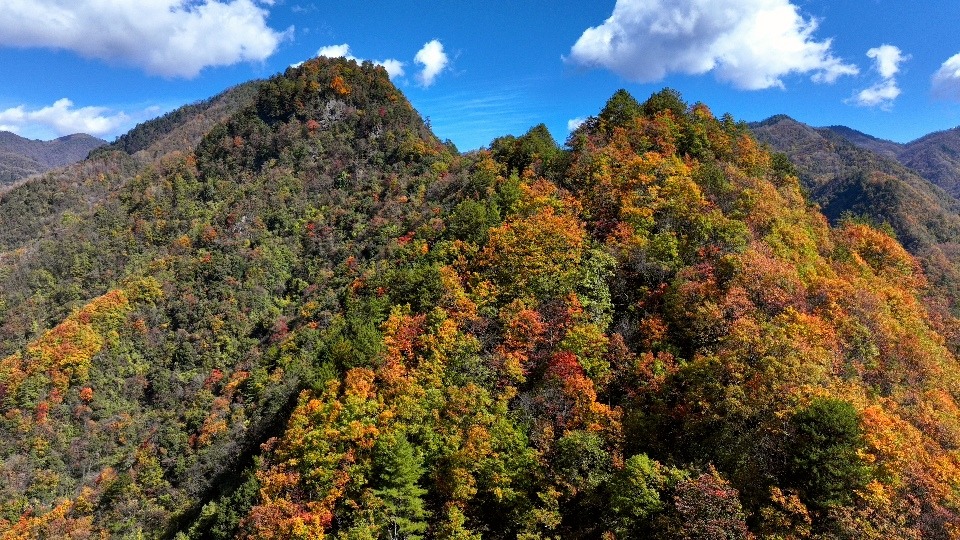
(933, 156)
(848, 180)
(320, 321)
(883, 147)
(21, 157)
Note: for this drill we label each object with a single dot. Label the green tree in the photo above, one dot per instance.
(581, 462)
(667, 99)
(518, 153)
(824, 463)
(397, 470)
(621, 110)
(635, 495)
(471, 220)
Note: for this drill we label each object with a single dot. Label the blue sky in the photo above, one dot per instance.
(478, 70)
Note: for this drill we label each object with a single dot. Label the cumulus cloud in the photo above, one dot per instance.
(433, 60)
(886, 62)
(394, 67)
(336, 51)
(880, 95)
(62, 118)
(946, 81)
(172, 38)
(751, 44)
(574, 123)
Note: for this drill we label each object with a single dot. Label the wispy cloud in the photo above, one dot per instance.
(887, 60)
(574, 123)
(336, 51)
(64, 118)
(474, 119)
(882, 94)
(394, 67)
(304, 8)
(431, 57)
(946, 81)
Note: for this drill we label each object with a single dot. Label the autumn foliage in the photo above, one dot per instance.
(342, 328)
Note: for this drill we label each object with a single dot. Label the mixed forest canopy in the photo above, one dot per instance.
(320, 321)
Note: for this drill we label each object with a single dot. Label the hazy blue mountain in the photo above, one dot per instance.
(883, 147)
(20, 157)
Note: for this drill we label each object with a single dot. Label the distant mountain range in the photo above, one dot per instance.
(21, 157)
(935, 157)
(910, 188)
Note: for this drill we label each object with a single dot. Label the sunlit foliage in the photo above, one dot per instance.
(323, 323)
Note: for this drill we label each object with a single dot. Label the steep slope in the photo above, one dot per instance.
(182, 129)
(323, 323)
(847, 180)
(14, 167)
(41, 281)
(208, 254)
(21, 157)
(936, 157)
(885, 148)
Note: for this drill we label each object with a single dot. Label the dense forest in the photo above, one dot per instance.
(850, 175)
(320, 321)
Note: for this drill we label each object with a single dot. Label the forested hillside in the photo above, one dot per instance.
(933, 157)
(322, 322)
(21, 157)
(182, 129)
(850, 181)
(883, 147)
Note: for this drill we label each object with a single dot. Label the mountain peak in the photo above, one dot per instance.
(318, 320)
(322, 104)
(775, 119)
(21, 157)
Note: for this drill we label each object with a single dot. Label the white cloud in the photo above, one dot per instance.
(946, 81)
(394, 67)
(574, 123)
(433, 60)
(886, 62)
(336, 51)
(880, 95)
(752, 44)
(62, 118)
(887, 59)
(172, 38)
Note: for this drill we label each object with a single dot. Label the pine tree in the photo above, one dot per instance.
(621, 110)
(398, 469)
